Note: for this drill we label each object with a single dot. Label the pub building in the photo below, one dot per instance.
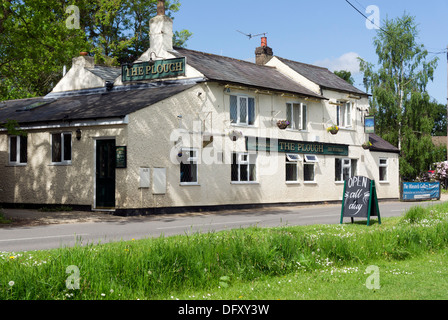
(185, 130)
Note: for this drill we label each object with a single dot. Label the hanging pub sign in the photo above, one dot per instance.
(360, 199)
(120, 157)
(369, 124)
(154, 69)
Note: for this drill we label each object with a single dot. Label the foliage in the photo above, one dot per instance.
(35, 42)
(346, 75)
(403, 111)
(440, 174)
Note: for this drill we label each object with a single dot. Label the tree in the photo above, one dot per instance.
(346, 75)
(35, 42)
(400, 102)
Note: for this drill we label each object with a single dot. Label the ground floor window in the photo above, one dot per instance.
(345, 168)
(309, 167)
(61, 148)
(189, 167)
(292, 167)
(18, 150)
(384, 163)
(244, 167)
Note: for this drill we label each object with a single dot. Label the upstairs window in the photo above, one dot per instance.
(18, 150)
(296, 114)
(344, 114)
(242, 110)
(61, 148)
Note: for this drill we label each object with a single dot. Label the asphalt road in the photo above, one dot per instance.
(28, 238)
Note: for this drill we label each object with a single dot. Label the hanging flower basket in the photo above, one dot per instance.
(333, 129)
(283, 124)
(235, 135)
(367, 145)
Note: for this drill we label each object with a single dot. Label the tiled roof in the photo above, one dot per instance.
(106, 73)
(321, 76)
(114, 104)
(225, 69)
(381, 145)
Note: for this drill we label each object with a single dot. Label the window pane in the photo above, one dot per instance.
(346, 173)
(243, 110)
(296, 115)
(233, 109)
(383, 173)
(354, 167)
(13, 149)
(252, 172)
(56, 148)
(23, 149)
(338, 115)
(234, 173)
(243, 172)
(348, 112)
(304, 119)
(251, 111)
(289, 114)
(291, 171)
(308, 172)
(338, 170)
(67, 147)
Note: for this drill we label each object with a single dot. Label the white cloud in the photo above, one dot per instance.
(348, 61)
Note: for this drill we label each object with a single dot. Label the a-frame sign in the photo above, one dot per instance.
(359, 199)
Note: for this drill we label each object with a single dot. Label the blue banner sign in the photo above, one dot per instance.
(421, 191)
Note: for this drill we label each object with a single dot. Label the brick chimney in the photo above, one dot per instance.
(264, 53)
(161, 30)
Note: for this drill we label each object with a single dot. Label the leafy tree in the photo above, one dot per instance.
(400, 102)
(346, 75)
(440, 124)
(35, 42)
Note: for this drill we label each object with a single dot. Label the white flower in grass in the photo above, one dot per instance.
(11, 283)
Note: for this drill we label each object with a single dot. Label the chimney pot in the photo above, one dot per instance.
(161, 7)
(263, 53)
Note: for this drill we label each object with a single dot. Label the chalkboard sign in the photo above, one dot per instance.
(120, 157)
(359, 199)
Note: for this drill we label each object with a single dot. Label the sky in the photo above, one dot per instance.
(327, 33)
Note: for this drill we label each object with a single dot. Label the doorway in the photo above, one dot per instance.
(105, 174)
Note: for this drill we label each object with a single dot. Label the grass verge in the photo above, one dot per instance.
(195, 266)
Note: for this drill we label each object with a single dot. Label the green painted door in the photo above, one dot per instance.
(105, 174)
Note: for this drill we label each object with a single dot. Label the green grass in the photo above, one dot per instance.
(305, 262)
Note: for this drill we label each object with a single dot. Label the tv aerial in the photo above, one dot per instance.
(250, 36)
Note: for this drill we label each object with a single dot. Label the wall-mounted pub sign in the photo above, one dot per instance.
(151, 70)
(290, 146)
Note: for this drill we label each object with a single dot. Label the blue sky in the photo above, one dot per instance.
(328, 33)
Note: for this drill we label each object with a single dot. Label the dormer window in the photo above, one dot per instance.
(242, 110)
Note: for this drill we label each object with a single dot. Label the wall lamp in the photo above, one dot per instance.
(78, 134)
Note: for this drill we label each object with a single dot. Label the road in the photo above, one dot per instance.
(18, 239)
